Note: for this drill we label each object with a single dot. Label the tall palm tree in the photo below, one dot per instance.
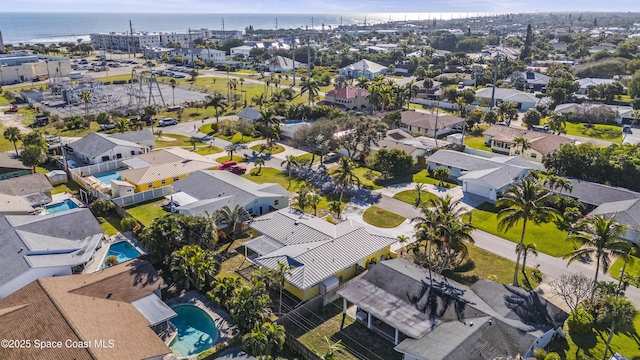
(402, 239)
(281, 273)
(529, 248)
(344, 175)
(363, 82)
(259, 162)
(522, 144)
(313, 200)
(222, 292)
(560, 183)
(311, 87)
(173, 82)
(601, 237)
(266, 339)
(14, 135)
(86, 97)
(233, 218)
(619, 311)
(557, 123)
(192, 266)
(419, 189)
(290, 163)
(528, 201)
(216, 100)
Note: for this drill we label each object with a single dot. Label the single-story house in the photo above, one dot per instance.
(210, 190)
(205, 55)
(465, 79)
(243, 50)
(96, 147)
(623, 114)
(250, 113)
(104, 315)
(501, 139)
(35, 247)
(348, 98)
(586, 82)
(280, 64)
(365, 68)
(524, 100)
(431, 124)
(418, 147)
(11, 166)
(485, 177)
(163, 167)
(34, 189)
(431, 317)
(319, 251)
(535, 81)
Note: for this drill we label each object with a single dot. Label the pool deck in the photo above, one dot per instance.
(226, 329)
(107, 241)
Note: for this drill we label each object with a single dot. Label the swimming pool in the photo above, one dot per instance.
(123, 251)
(196, 331)
(106, 177)
(68, 204)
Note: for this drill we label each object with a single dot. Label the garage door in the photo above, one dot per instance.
(477, 189)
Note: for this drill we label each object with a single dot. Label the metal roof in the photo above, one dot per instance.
(154, 309)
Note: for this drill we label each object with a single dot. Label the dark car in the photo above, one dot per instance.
(227, 165)
(238, 170)
(626, 129)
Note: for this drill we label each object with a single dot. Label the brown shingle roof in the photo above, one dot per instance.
(76, 307)
(541, 142)
(428, 121)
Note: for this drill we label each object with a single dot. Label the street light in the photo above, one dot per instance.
(495, 78)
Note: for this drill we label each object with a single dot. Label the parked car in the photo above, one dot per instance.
(626, 129)
(13, 108)
(226, 165)
(330, 157)
(238, 170)
(167, 122)
(178, 76)
(107, 126)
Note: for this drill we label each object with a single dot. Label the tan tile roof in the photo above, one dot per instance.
(166, 171)
(76, 307)
(541, 142)
(428, 121)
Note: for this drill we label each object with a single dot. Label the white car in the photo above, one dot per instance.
(167, 122)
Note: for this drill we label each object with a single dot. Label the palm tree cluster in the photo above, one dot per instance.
(441, 234)
(386, 94)
(193, 267)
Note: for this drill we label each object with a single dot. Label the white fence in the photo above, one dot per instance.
(140, 197)
(482, 153)
(98, 168)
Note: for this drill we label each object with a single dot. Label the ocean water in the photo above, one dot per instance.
(50, 28)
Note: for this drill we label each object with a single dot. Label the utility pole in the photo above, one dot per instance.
(312, 22)
(193, 65)
(131, 33)
(308, 58)
(495, 80)
(293, 57)
(276, 24)
(222, 26)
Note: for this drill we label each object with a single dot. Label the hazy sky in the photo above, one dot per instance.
(316, 6)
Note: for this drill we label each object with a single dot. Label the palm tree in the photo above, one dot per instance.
(173, 82)
(344, 175)
(14, 135)
(86, 97)
(281, 274)
(216, 100)
(222, 292)
(557, 123)
(363, 82)
(601, 237)
(333, 349)
(302, 197)
(419, 189)
(313, 200)
(266, 339)
(290, 163)
(335, 207)
(193, 142)
(526, 201)
(402, 239)
(527, 249)
(232, 218)
(560, 183)
(619, 311)
(259, 162)
(123, 124)
(192, 266)
(311, 87)
(521, 143)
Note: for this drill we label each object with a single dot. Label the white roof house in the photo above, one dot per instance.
(365, 68)
(96, 148)
(586, 82)
(317, 249)
(524, 100)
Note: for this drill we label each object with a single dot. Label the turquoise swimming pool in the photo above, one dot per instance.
(106, 177)
(196, 331)
(68, 204)
(123, 251)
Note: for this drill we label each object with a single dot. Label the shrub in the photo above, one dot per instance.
(580, 322)
(101, 207)
(128, 224)
(111, 261)
(539, 354)
(552, 356)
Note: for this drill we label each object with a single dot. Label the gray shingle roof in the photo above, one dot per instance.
(596, 194)
(318, 249)
(140, 137)
(9, 163)
(25, 185)
(507, 95)
(496, 178)
(64, 239)
(95, 144)
(626, 211)
(468, 162)
(250, 113)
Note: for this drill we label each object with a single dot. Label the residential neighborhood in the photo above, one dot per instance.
(461, 188)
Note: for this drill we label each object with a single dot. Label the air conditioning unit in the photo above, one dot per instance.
(329, 285)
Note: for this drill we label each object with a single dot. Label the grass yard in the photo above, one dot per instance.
(306, 158)
(547, 237)
(110, 225)
(275, 149)
(382, 218)
(146, 212)
(236, 158)
(234, 259)
(208, 150)
(411, 197)
(70, 187)
(424, 177)
(606, 132)
(238, 138)
(593, 344)
(482, 264)
(631, 269)
(173, 140)
(476, 142)
(359, 342)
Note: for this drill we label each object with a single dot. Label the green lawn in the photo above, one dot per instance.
(483, 264)
(593, 344)
(146, 212)
(547, 237)
(631, 269)
(367, 177)
(423, 177)
(411, 196)
(208, 150)
(173, 140)
(275, 149)
(238, 138)
(236, 158)
(476, 142)
(380, 217)
(305, 159)
(70, 187)
(110, 225)
(606, 132)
